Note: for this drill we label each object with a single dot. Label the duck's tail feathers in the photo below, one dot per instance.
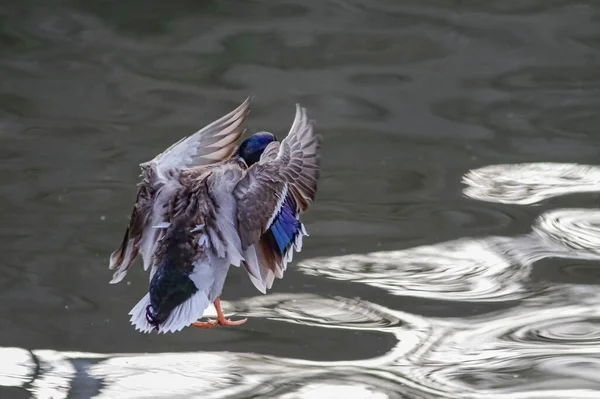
(182, 316)
(138, 315)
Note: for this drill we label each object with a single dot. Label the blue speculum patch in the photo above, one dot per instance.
(285, 226)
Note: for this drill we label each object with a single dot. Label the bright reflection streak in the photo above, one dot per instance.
(487, 269)
(575, 230)
(465, 270)
(16, 367)
(333, 391)
(159, 376)
(55, 381)
(509, 352)
(529, 183)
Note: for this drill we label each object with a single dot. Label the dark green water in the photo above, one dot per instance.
(455, 242)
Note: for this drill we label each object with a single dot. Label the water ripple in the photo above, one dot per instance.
(563, 233)
(577, 230)
(92, 86)
(504, 354)
(527, 184)
(313, 310)
(576, 77)
(512, 350)
(466, 270)
(569, 330)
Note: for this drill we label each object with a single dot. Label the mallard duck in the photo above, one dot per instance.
(205, 204)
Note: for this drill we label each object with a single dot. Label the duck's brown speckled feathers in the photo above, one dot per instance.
(160, 179)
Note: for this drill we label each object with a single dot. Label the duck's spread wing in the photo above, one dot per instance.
(139, 235)
(208, 146)
(271, 197)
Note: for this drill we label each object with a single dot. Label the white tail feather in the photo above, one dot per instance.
(182, 316)
(138, 315)
(203, 277)
(186, 313)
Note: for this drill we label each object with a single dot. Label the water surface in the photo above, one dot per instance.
(454, 245)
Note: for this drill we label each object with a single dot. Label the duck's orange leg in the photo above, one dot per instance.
(221, 320)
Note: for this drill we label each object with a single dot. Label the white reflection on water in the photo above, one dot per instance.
(541, 345)
(530, 183)
(314, 310)
(332, 390)
(576, 230)
(534, 350)
(465, 270)
(56, 376)
(486, 269)
(18, 369)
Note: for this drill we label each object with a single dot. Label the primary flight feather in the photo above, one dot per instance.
(205, 204)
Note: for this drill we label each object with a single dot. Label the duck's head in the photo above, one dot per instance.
(252, 148)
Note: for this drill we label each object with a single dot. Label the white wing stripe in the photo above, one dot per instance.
(278, 207)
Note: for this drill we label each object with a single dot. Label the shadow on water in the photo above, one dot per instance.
(454, 243)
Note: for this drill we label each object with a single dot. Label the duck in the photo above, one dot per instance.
(207, 203)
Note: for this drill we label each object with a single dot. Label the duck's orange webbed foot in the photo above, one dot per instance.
(205, 324)
(221, 320)
(227, 322)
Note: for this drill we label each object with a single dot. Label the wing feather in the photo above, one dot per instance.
(272, 196)
(208, 146)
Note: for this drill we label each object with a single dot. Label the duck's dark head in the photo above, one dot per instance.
(252, 148)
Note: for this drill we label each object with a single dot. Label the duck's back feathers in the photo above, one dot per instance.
(271, 197)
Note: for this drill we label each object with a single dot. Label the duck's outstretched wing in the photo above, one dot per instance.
(271, 197)
(210, 145)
